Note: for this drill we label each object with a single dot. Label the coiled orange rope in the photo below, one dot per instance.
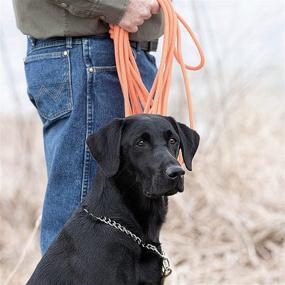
(137, 99)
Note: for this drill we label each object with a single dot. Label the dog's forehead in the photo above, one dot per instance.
(147, 123)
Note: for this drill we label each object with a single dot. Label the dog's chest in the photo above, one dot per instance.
(149, 269)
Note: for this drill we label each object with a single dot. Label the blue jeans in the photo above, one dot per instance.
(74, 86)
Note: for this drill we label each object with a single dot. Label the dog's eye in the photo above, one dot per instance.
(172, 141)
(140, 143)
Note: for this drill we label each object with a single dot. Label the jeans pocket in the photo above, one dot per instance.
(49, 84)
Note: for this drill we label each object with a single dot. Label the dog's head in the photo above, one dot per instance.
(148, 145)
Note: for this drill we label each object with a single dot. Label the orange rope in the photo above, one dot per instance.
(136, 97)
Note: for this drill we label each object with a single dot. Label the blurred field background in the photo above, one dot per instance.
(228, 227)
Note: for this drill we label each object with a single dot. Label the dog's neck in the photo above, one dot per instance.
(116, 198)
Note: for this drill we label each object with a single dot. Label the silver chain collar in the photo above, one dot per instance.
(166, 270)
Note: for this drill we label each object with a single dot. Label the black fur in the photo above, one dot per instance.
(131, 188)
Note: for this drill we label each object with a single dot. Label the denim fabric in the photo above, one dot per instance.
(74, 86)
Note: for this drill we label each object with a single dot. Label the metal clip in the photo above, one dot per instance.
(166, 269)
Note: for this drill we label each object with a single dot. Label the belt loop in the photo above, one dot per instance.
(68, 42)
(139, 47)
(33, 41)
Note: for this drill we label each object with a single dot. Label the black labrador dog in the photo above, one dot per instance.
(113, 237)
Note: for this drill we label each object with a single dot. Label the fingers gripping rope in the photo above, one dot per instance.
(137, 99)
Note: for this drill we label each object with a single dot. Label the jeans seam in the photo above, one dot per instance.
(42, 56)
(87, 157)
(70, 80)
(51, 45)
(89, 121)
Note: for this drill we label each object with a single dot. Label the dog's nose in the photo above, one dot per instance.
(174, 171)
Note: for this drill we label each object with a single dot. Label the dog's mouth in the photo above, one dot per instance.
(159, 195)
(151, 195)
(158, 189)
(171, 192)
(156, 196)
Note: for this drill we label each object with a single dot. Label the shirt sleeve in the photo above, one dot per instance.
(110, 10)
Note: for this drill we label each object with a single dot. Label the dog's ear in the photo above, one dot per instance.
(104, 146)
(189, 141)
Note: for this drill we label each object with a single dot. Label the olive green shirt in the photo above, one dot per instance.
(43, 19)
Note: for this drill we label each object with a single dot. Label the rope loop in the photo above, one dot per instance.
(137, 98)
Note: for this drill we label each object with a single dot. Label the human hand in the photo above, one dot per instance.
(137, 12)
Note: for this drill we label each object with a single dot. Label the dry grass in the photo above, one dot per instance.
(22, 187)
(228, 227)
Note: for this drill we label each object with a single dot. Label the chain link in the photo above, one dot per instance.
(166, 265)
